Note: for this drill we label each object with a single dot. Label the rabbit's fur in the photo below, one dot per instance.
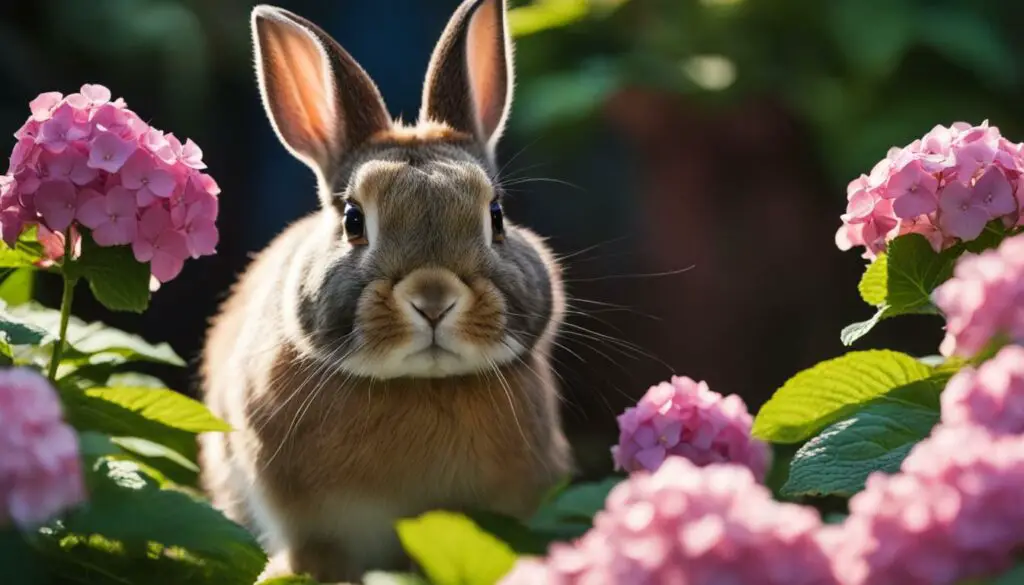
(346, 417)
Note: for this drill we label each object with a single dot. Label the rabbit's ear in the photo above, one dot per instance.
(319, 100)
(470, 77)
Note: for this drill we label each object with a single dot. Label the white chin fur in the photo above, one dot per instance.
(411, 361)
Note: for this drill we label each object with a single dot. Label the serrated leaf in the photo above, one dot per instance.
(92, 413)
(912, 270)
(831, 391)
(127, 507)
(116, 278)
(872, 284)
(95, 342)
(875, 438)
(163, 406)
(453, 550)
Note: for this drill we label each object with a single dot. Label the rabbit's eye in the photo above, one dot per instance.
(355, 225)
(497, 221)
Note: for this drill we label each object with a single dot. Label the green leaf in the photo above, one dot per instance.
(991, 237)
(912, 270)
(17, 287)
(855, 331)
(6, 353)
(575, 505)
(872, 285)
(17, 331)
(116, 278)
(875, 438)
(831, 391)
(92, 413)
(128, 507)
(150, 450)
(453, 550)
(25, 253)
(93, 445)
(95, 342)
(133, 379)
(565, 514)
(163, 406)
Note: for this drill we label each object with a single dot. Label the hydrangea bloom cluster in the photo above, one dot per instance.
(984, 299)
(952, 513)
(684, 417)
(945, 186)
(40, 471)
(692, 525)
(991, 396)
(85, 160)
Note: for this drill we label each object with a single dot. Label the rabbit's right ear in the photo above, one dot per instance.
(319, 100)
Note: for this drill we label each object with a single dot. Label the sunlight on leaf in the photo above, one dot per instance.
(453, 550)
(831, 391)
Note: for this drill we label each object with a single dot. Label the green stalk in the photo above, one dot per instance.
(65, 307)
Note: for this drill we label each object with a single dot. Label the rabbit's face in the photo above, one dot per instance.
(417, 273)
(431, 280)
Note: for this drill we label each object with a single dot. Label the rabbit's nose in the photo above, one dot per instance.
(434, 301)
(434, 313)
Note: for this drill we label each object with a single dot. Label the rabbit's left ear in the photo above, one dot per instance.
(469, 80)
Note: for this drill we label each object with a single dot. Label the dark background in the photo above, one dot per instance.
(648, 136)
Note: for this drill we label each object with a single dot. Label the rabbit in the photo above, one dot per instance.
(389, 354)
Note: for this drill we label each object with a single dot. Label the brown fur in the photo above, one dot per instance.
(325, 457)
(419, 135)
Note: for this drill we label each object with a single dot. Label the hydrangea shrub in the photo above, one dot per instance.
(875, 467)
(915, 459)
(97, 461)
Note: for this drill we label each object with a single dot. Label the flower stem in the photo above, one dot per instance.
(65, 307)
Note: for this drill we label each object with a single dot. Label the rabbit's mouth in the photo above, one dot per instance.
(437, 351)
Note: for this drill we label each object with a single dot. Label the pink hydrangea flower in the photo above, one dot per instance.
(688, 525)
(991, 396)
(684, 417)
(111, 217)
(40, 470)
(85, 161)
(984, 299)
(946, 186)
(953, 513)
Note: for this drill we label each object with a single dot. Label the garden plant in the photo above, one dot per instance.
(875, 467)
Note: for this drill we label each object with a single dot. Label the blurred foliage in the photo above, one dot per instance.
(862, 74)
